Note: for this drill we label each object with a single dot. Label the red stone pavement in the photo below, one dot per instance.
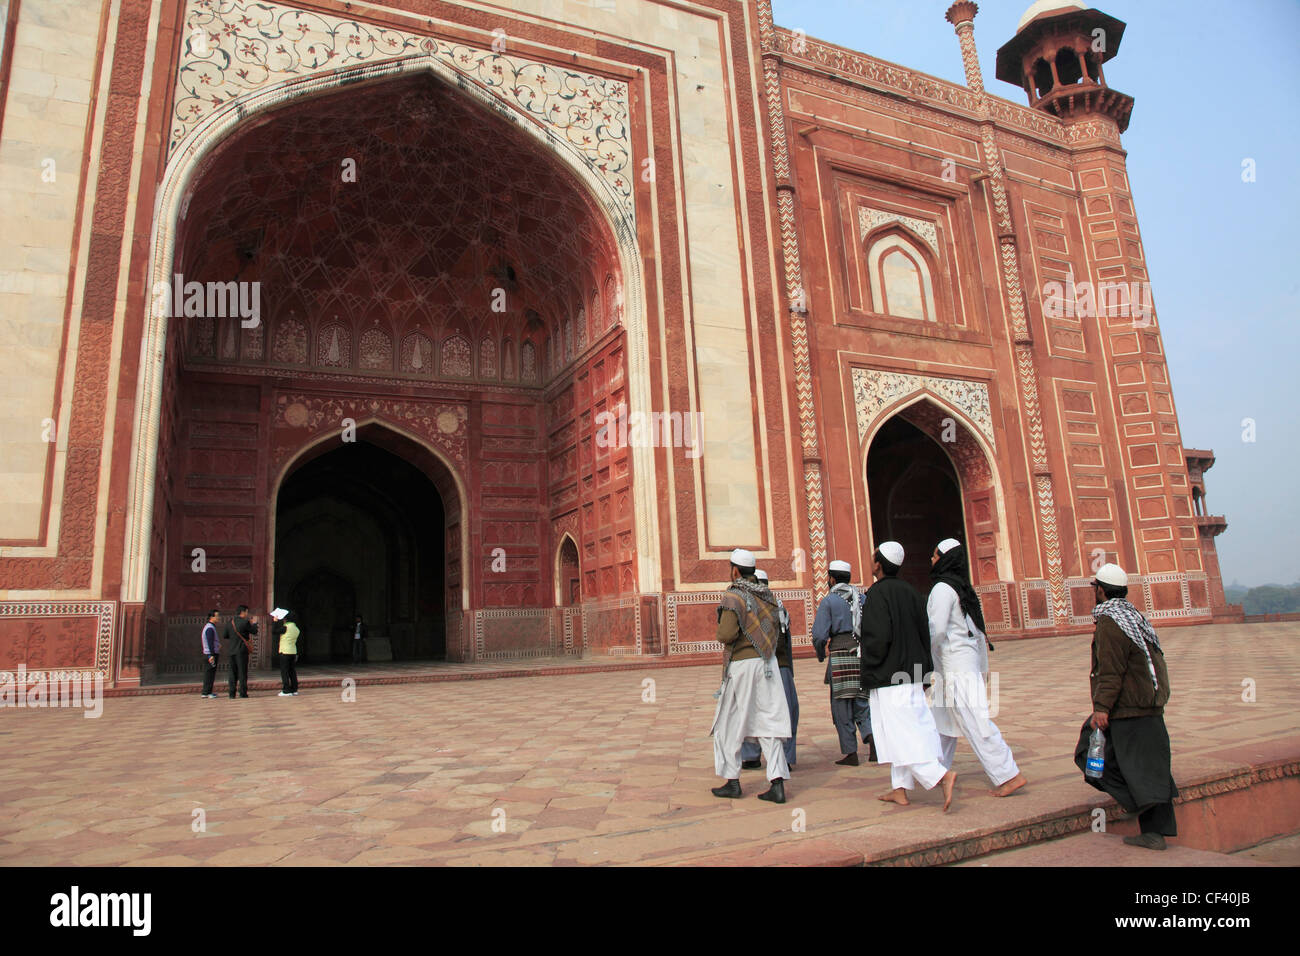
(576, 768)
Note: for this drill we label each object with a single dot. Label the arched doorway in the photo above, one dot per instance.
(360, 530)
(423, 265)
(915, 496)
(568, 574)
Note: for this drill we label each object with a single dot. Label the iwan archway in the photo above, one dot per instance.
(420, 263)
(929, 473)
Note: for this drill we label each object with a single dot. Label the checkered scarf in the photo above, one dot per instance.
(1132, 622)
(853, 597)
(762, 630)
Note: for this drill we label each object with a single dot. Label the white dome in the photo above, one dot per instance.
(1040, 7)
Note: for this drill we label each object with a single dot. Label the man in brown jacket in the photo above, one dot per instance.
(1130, 687)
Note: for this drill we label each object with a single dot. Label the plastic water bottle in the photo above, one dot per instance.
(1096, 755)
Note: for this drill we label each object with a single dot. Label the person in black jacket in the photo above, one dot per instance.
(359, 630)
(239, 632)
(896, 662)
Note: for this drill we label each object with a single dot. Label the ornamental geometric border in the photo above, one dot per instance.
(999, 588)
(105, 611)
(517, 613)
(1171, 577)
(614, 604)
(676, 647)
(1070, 585)
(233, 47)
(874, 389)
(1046, 588)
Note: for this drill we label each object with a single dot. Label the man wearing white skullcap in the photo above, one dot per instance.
(895, 662)
(749, 753)
(959, 698)
(835, 635)
(751, 701)
(1130, 687)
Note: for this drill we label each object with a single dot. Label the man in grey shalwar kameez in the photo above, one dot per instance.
(835, 639)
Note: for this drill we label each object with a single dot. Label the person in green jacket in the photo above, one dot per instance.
(288, 632)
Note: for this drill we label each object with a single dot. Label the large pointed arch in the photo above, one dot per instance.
(186, 167)
(931, 412)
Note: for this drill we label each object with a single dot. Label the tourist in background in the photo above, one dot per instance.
(287, 631)
(239, 632)
(211, 654)
(358, 641)
(1130, 687)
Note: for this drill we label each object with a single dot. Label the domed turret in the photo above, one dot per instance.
(1056, 56)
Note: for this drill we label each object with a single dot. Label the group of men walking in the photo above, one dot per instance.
(884, 645)
(881, 647)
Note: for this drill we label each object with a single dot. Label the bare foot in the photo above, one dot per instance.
(1011, 786)
(898, 796)
(949, 782)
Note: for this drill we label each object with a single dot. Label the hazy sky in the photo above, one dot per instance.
(1214, 84)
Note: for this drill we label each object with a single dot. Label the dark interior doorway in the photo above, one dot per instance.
(570, 577)
(360, 530)
(915, 496)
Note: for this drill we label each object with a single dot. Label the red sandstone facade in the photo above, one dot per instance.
(528, 242)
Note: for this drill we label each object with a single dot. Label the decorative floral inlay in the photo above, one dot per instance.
(875, 390)
(869, 219)
(446, 425)
(455, 357)
(232, 47)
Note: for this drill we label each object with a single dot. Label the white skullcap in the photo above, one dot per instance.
(279, 614)
(841, 566)
(892, 552)
(742, 558)
(947, 544)
(1113, 575)
(761, 575)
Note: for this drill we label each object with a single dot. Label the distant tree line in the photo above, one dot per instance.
(1266, 599)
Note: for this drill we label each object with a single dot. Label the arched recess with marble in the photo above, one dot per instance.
(420, 256)
(965, 443)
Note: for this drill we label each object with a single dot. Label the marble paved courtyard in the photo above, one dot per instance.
(571, 769)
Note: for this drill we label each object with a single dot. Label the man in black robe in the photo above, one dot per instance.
(1130, 687)
(896, 661)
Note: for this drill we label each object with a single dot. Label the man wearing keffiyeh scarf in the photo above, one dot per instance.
(751, 700)
(1130, 687)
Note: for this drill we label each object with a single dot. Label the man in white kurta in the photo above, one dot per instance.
(751, 701)
(959, 647)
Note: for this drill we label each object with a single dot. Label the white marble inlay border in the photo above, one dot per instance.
(869, 219)
(234, 47)
(874, 390)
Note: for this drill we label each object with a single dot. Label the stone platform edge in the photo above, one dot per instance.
(832, 851)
